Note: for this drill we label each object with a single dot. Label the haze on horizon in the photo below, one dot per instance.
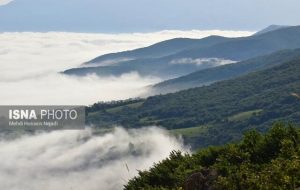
(116, 16)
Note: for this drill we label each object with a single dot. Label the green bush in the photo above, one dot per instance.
(267, 162)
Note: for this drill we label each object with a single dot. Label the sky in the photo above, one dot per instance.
(119, 16)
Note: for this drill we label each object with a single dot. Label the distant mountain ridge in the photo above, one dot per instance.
(157, 60)
(271, 28)
(225, 72)
(160, 49)
(152, 60)
(248, 47)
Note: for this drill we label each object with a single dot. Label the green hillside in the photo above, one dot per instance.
(226, 108)
(211, 75)
(258, 162)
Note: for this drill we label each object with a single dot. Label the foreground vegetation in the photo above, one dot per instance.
(258, 162)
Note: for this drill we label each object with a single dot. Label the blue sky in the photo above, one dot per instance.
(116, 16)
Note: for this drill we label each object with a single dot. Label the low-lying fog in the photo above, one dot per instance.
(77, 160)
(30, 63)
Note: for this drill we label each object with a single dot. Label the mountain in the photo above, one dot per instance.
(270, 28)
(151, 61)
(158, 67)
(248, 47)
(215, 114)
(157, 50)
(224, 72)
(205, 53)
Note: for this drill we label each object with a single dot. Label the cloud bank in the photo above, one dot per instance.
(30, 63)
(57, 89)
(81, 160)
(202, 61)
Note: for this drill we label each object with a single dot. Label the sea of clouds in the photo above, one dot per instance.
(30, 64)
(79, 160)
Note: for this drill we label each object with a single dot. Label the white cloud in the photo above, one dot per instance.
(5, 2)
(59, 89)
(80, 160)
(201, 61)
(30, 62)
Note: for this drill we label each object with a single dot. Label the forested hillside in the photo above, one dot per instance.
(257, 162)
(218, 113)
(224, 72)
